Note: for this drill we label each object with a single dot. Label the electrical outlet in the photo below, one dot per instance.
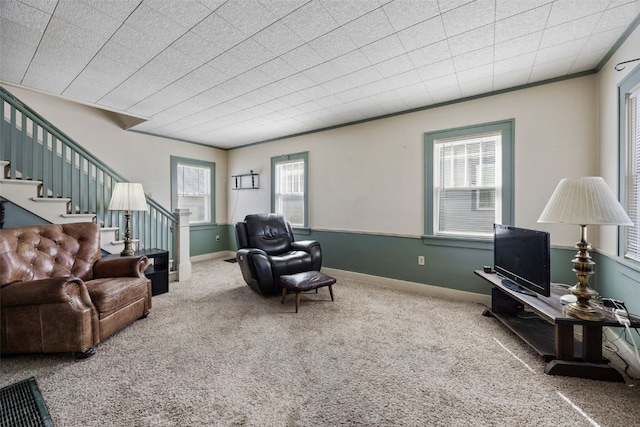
(217, 238)
(420, 260)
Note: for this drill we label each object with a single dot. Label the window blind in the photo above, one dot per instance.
(632, 250)
(289, 191)
(194, 192)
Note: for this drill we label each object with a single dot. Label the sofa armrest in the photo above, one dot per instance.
(53, 290)
(120, 267)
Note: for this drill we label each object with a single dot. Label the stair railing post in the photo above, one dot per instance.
(183, 254)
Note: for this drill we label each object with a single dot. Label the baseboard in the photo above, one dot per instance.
(213, 255)
(420, 288)
(625, 350)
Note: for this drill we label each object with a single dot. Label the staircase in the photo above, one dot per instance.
(45, 172)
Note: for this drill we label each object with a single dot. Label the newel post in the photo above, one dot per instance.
(183, 254)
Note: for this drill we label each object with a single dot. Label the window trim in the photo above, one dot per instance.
(304, 156)
(630, 82)
(507, 129)
(174, 185)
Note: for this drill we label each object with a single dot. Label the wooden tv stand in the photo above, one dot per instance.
(550, 332)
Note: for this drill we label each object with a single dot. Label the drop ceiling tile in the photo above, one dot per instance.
(43, 5)
(364, 76)
(430, 54)
(472, 40)
(93, 83)
(350, 62)
(40, 78)
(291, 100)
(155, 25)
(256, 79)
(323, 73)
(310, 21)
(550, 70)
(278, 38)
(445, 94)
(473, 74)
(409, 78)
(559, 52)
(195, 46)
(171, 57)
(411, 90)
(346, 11)
(314, 93)
(476, 87)
(276, 89)
(14, 70)
(383, 49)
(228, 64)
(473, 59)
(436, 70)
(447, 5)
(118, 9)
(423, 34)
(251, 53)
(603, 40)
(564, 11)
(280, 8)
(572, 30)
(468, 17)
(440, 83)
(310, 107)
(138, 48)
(515, 47)
(87, 40)
(377, 87)
(333, 44)
(511, 79)
(588, 60)
(279, 104)
(405, 13)
(509, 8)
(81, 15)
(185, 13)
(618, 17)
(298, 82)
(522, 24)
(369, 28)
(219, 32)
(515, 63)
(303, 58)
(249, 16)
(25, 15)
(393, 66)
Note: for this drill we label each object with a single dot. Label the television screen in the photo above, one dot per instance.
(523, 257)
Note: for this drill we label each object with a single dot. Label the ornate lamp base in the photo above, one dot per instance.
(582, 312)
(128, 244)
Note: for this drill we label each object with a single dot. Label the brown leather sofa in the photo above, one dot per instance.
(57, 295)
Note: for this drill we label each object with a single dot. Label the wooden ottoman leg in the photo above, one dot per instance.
(331, 292)
(284, 292)
(297, 301)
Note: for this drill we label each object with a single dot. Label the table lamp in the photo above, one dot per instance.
(584, 201)
(127, 197)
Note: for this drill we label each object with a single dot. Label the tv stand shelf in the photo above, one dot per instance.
(540, 322)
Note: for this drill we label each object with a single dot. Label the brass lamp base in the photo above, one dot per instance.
(582, 312)
(128, 244)
(583, 267)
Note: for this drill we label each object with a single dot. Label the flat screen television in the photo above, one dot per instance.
(523, 258)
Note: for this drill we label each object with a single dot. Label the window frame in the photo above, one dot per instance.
(304, 156)
(628, 85)
(507, 130)
(175, 160)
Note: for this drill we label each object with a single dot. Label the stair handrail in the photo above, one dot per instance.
(28, 112)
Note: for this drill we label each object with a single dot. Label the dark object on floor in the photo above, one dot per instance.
(303, 282)
(267, 250)
(21, 404)
(231, 260)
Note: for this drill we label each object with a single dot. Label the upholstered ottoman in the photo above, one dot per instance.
(303, 282)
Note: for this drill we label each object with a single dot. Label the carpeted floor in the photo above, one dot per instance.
(212, 352)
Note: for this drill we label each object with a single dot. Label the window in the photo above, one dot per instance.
(289, 188)
(469, 180)
(629, 94)
(192, 184)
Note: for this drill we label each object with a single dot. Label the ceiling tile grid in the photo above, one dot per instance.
(233, 72)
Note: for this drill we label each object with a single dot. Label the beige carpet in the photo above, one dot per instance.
(212, 352)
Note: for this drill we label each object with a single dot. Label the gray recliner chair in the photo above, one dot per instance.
(267, 250)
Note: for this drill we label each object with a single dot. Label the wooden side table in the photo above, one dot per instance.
(550, 331)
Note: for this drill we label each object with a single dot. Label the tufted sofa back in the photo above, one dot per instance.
(269, 232)
(52, 250)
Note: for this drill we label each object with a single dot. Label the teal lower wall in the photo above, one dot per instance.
(449, 266)
(202, 239)
(619, 279)
(445, 265)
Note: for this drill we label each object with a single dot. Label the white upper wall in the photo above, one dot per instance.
(135, 156)
(370, 177)
(608, 139)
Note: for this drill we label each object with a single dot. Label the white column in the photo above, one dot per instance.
(182, 237)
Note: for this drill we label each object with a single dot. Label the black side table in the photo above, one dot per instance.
(157, 271)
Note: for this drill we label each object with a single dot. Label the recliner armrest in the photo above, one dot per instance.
(303, 245)
(120, 267)
(45, 291)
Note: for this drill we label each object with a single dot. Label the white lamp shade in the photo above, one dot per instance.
(584, 201)
(128, 196)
